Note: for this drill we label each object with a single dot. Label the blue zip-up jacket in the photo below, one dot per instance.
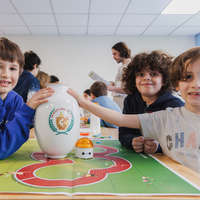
(134, 104)
(15, 120)
(107, 102)
(27, 82)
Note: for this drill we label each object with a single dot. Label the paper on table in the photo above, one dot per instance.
(96, 77)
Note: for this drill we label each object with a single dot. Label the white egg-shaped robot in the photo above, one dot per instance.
(57, 123)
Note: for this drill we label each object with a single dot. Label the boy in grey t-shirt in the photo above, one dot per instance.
(177, 130)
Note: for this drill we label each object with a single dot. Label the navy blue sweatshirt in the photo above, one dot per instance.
(134, 104)
(15, 120)
(26, 83)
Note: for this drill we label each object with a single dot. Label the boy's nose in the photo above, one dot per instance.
(147, 76)
(5, 73)
(196, 82)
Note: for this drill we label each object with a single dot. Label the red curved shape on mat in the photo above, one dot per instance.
(26, 175)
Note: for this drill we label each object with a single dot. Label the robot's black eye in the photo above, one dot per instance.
(89, 153)
(83, 153)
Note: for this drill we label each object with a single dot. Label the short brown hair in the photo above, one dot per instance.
(181, 63)
(11, 52)
(98, 89)
(123, 49)
(155, 61)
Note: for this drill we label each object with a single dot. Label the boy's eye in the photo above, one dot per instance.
(187, 77)
(154, 74)
(13, 68)
(141, 74)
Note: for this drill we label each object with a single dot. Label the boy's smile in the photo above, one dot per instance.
(4, 83)
(190, 87)
(9, 74)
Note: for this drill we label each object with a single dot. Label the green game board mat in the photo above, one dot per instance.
(146, 176)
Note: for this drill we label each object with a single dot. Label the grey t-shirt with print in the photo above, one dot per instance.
(178, 132)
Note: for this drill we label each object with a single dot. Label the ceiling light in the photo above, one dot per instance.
(182, 7)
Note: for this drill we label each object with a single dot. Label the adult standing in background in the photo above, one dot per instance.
(121, 54)
(28, 82)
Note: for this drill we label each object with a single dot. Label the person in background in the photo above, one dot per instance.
(87, 94)
(54, 79)
(43, 78)
(146, 80)
(176, 129)
(28, 83)
(121, 54)
(85, 115)
(16, 117)
(98, 92)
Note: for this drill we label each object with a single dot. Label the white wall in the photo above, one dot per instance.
(72, 57)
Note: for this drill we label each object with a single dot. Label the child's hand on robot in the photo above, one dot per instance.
(79, 98)
(40, 97)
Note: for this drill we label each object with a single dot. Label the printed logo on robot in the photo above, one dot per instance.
(61, 120)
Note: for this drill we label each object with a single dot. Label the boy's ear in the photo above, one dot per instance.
(92, 96)
(21, 70)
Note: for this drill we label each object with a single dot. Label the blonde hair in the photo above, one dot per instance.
(44, 79)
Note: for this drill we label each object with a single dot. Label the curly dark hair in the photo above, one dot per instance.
(155, 61)
(179, 66)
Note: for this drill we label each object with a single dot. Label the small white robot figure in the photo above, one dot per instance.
(84, 148)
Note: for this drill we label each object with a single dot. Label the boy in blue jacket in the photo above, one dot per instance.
(98, 92)
(16, 117)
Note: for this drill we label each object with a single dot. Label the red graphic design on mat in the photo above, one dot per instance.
(26, 175)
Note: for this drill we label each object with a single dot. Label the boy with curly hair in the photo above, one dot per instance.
(146, 80)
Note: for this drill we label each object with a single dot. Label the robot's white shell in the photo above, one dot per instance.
(84, 152)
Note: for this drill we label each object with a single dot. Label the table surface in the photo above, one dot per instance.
(184, 171)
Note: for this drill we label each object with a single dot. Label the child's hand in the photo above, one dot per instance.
(80, 99)
(138, 144)
(150, 146)
(40, 97)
